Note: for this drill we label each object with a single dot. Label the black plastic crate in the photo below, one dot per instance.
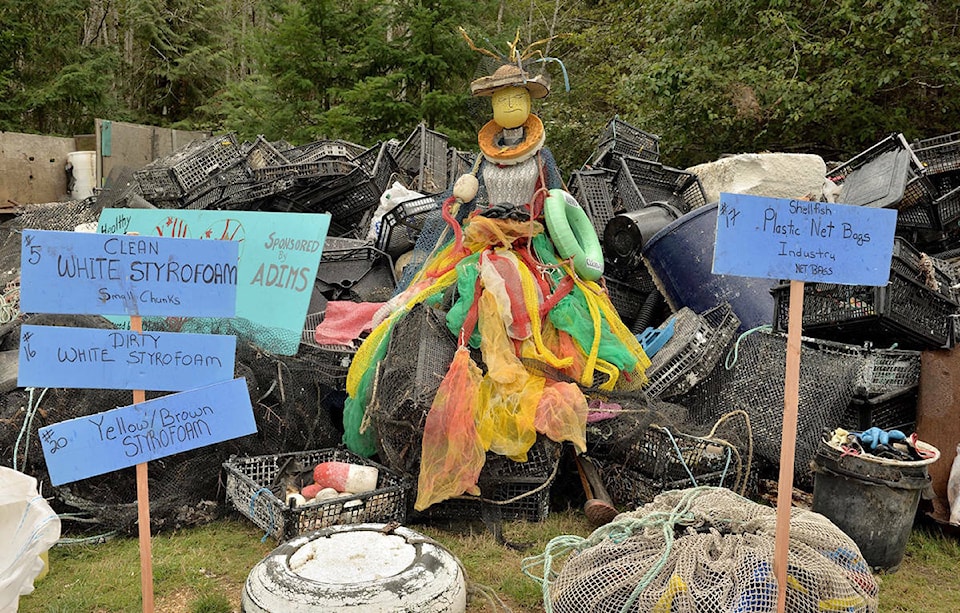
(353, 268)
(619, 139)
(948, 209)
(262, 153)
(324, 150)
(903, 312)
(248, 488)
(172, 176)
(591, 188)
(640, 182)
(893, 410)
(922, 268)
(315, 168)
(401, 225)
(889, 175)
(628, 297)
(512, 490)
(424, 156)
(939, 154)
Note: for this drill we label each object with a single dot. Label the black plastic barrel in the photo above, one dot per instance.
(873, 500)
(680, 259)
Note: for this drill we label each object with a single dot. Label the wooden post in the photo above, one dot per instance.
(143, 506)
(788, 442)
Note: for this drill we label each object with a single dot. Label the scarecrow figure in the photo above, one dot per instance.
(522, 270)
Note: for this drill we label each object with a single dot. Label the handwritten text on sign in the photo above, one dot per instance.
(88, 446)
(278, 260)
(775, 238)
(56, 356)
(96, 274)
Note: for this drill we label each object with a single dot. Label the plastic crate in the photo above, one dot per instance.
(511, 490)
(689, 355)
(248, 488)
(218, 188)
(355, 269)
(893, 410)
(332, 362)
(316, 168)
(903, 312)
(262, 153)
(591, 188)
(401, 225)
(913, 264)
(619, 139)
(172, 176)
(459, 163)
(628, 298)
(640, 182)
(948, 209)
(939, 154)
(889, 175)
(324, 149)
(424, 156)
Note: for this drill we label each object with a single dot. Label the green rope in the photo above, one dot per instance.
(735, 350)
(618, 531)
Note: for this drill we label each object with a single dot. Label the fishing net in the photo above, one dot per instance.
(703, 550)
(293, 412)
(751, 378)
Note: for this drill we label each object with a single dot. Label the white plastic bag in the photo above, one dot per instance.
(953, 489)
(394, 195)
(28, 527)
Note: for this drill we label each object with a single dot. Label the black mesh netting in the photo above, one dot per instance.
(751, 378)
(293, 412)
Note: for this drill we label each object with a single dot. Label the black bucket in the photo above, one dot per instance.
(873, 500)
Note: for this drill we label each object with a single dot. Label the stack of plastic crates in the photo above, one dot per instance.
(663, 459)
(619, 139)
(261, 153)
(324, 150)
(889, 175)
(940, 157)
(216, 190)
(424, 157)
(167, 179)
(640, 182)
(696, 343)
(401, 225)
(914, 310)
(249, 482)
(508, 490)
(591, 188)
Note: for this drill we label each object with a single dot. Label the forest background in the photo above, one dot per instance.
(710, 77)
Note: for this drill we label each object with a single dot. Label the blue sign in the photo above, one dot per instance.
(96, 444)
(97, 274)
(57, 356)
(279, 257)
(776, 238)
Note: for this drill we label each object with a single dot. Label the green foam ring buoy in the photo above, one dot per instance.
(572, 234)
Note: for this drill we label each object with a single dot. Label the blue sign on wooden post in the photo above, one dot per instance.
(58, 356)
(88, 446)
(98, 274)
(800, 240)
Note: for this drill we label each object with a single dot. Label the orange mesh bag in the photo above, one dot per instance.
(562, 414)
(451, 455)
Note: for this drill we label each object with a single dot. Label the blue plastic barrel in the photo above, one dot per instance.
(680, 260)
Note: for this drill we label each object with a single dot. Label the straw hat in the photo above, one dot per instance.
(511, 75)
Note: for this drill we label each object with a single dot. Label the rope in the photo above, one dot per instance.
(735, 351)
(680, 456)
(26, 428)
(617, 531)
(253, 499)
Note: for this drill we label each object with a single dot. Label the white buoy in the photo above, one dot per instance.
(357, 568)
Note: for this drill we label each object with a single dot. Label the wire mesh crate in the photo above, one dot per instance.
(508, 490)
(697, 343)
(640, 182)
(591, 188)
(332, 362)
(170, 177)
(249, 482)
(401, 225)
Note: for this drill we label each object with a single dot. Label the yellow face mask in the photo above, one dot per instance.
(511, 106)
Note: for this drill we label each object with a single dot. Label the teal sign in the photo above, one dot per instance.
(801, 240)
(277, 263)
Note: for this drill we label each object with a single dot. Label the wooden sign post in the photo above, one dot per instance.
(97, 274)
(801, 241)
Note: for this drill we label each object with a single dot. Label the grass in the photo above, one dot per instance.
(202, 570)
